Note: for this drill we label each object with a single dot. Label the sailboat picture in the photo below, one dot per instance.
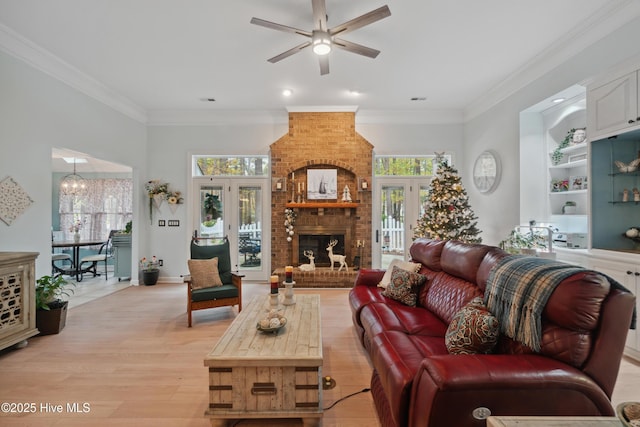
(322, 184)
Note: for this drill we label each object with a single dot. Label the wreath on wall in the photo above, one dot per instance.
(212, 210)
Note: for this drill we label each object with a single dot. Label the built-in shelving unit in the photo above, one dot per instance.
(568, 178)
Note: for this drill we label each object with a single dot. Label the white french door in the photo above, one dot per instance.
(236, 208)
(398, 203)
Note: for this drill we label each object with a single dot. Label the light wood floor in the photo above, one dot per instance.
(130, 356)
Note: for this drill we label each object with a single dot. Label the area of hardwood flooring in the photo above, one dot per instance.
(131, 358)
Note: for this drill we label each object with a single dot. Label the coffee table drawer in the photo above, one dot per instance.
(242, 390)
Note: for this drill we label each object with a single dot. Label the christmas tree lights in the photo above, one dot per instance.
(448, 215)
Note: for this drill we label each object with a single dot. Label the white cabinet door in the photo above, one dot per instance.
(613, 106)
(628, 275)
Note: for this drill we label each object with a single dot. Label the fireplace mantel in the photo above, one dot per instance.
(315, 205)
(347, 206)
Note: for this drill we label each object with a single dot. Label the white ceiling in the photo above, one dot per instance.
(92, 165)
(159, 59)
(170, 54)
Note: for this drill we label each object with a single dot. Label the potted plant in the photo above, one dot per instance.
(51, 308)
(150, 270)
(523, 242)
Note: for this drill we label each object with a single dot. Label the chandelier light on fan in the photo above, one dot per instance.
(324, 39)
(73, 184)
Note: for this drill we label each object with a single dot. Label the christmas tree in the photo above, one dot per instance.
(448, 215)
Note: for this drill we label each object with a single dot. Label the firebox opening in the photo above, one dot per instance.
(318, 244)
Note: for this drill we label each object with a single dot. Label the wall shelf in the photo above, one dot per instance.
(557, 193)
(569, 165)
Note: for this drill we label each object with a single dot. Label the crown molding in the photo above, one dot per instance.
(275, 117)
(602, 23)
(322, 108)
(202, 117)
(410, 117)
(25, 50)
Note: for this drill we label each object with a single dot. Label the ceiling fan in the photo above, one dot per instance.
(323, 39)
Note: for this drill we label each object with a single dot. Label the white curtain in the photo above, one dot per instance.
(105, 206)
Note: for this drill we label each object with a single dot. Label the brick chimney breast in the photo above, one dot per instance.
(322, 140)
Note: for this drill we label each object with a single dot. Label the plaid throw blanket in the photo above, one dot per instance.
(517, 291)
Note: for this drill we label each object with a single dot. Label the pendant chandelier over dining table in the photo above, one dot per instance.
(73, 184)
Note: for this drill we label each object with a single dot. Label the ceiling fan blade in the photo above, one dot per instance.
(361, 21)
(319, 14)
(279, 27)
(288, 53)
(324, 64)
(355, 48)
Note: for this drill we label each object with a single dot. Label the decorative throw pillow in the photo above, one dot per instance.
(473, 330)
(204, 273)
(405, 265)
(403, 286)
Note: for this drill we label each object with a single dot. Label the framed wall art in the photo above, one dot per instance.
(13, 200)
(322, 184)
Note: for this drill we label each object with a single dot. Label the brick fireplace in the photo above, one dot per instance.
(321, 140)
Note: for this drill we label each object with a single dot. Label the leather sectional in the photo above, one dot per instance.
(417, 382)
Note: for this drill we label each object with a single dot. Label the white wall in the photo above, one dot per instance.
(38, 113)
(170, 148)
(498, 128)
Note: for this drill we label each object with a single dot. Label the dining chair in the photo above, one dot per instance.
(61, 258)
(105, 253)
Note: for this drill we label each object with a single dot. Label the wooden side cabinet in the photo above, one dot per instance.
(17, 297)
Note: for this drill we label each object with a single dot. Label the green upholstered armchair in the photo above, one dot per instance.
(229, 294)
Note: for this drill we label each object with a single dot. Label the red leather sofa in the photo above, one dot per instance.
(416, 382)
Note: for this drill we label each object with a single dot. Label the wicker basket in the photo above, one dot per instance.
(629, 413)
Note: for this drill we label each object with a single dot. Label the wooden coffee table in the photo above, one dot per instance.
(253, 374)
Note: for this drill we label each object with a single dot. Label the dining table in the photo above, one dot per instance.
(75, 269)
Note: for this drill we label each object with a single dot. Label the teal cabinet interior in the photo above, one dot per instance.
(613, 172)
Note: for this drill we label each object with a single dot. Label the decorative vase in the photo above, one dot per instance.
(158, 199)
(569, 208)
(150, 277)
(76, 237)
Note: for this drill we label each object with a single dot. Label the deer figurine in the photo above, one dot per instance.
(342, 259)
(311, 266)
